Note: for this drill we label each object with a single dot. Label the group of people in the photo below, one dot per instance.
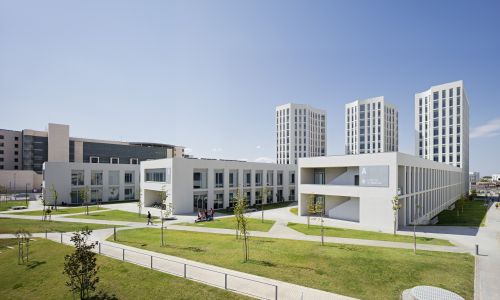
(205, 215)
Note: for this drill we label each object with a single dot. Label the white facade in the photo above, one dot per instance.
(105, 182)
(473, 178)
(300, 132)
(371, 126)
(193, 184)
(442, 125)
(495, 177)
(359, 188)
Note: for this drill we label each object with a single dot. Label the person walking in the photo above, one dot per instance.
(149, 218)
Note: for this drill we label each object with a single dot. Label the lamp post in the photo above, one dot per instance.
(26, 194)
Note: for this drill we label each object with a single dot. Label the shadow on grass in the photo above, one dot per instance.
(103, 296)
(34, 263)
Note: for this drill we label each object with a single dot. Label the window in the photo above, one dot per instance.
(258, 178)
(16, 145)
(77, 177)
(114, 194)
(292, 176)
(16, 138)
(157, 175)
(16, 152)
(134, 161)
(1, 167)
(94, 160)
(1, 151)
(280, 178)
(319, 176)
(129, 193)
(96, 178)
(219, 201)
(270, 175)
(200, 179)
(247, 177)
(233, 178)
(96, 195)
(1, 137)
(114, 160)
(219, 178)
(114, 177)
(258, 197)
(129, 178)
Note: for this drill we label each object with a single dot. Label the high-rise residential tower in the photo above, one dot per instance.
(300, 132)
(371, 126)
(442, 125)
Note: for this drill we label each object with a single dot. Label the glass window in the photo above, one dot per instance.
(94, 159)
(219, 178)
(134, 161)
(247, 178)
(114, 178)
(158, 175)
(200, 179)
(233, 178)
(129, 193)
(280, 178)
(219, 201)
(292, 176)
(258, 178)
(96, 195)
(129, 178)
(96, 177)
(114, 194)
(77, 177)
(270, 175)
(114, 160)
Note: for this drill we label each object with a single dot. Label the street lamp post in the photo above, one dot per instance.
(26, 194)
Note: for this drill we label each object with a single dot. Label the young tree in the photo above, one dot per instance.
(235, 201)
(417, 207)
(311, 207)
(80, 266)
(461, 204)
(396, 205)
(84, 196)
(23, 240)
(139, 203)
(54, 196)
(164, 199)
(239, 213)
(473, 194)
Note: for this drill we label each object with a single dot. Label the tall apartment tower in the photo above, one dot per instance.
(371, 126)
(300, 132)
(442, 125)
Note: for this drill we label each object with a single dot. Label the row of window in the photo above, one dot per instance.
(200, 178)
(113, 160)
(96, 194)
(96, 177)
(2, 137)
(200, 200)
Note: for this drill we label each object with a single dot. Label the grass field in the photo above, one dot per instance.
(294, 210)
(116, 215)
(358, 271)
(13, 225)
(473, 215)
(365, 235)
(60, 211)
(42, 278)
(6, 205)
(230, 210)
(230, 223)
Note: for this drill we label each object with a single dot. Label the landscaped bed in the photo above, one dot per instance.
(357, 271)
(230, 223)
(474, 215)
(116, 215)
(365, 235)
(42, 278)
(11, 225)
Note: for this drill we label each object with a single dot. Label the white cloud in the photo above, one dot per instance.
(257, 147)
(492, 128)
(264, 159)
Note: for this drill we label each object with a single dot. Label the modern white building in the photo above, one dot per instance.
(104, 182)
(359, 188)
(473, 178)
(371, 126)
(495, 177)
(442, 125)
(194, 184)
(300, 132)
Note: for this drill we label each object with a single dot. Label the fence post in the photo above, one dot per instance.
(185, 266)
(123, 255)
(114, 233)
(99, 248)
(477, 249)
(61, 238)
(151, 261)
(225, 281)
(276, 292)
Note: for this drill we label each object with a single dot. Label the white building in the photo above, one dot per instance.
(105, 182)
(495, 177)
(442, 125)
(300, 132)
(371, 126)
(193, 184)
(359, 188)
(473, 178)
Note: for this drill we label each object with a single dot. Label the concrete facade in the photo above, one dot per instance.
(371, 126)
(300, 132)
(21, 180)
(10, 150)
(193, 184)
(105, 182)
(359, 188)
(442, 126)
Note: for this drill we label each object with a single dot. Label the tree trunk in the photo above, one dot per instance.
(414, 237)
(395, 216)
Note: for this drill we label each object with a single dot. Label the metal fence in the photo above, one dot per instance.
(230, 282)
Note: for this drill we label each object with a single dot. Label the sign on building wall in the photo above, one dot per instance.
(377, 176)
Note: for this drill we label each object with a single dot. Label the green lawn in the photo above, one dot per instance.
(61, 211)
(357, 271)
(42, 278)
(473, 215)
(230, 223)
(294, 210)
(365, 235)
(6, 205)
(116, 215)
(13, 225)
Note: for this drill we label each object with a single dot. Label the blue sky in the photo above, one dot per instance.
(208, 74)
